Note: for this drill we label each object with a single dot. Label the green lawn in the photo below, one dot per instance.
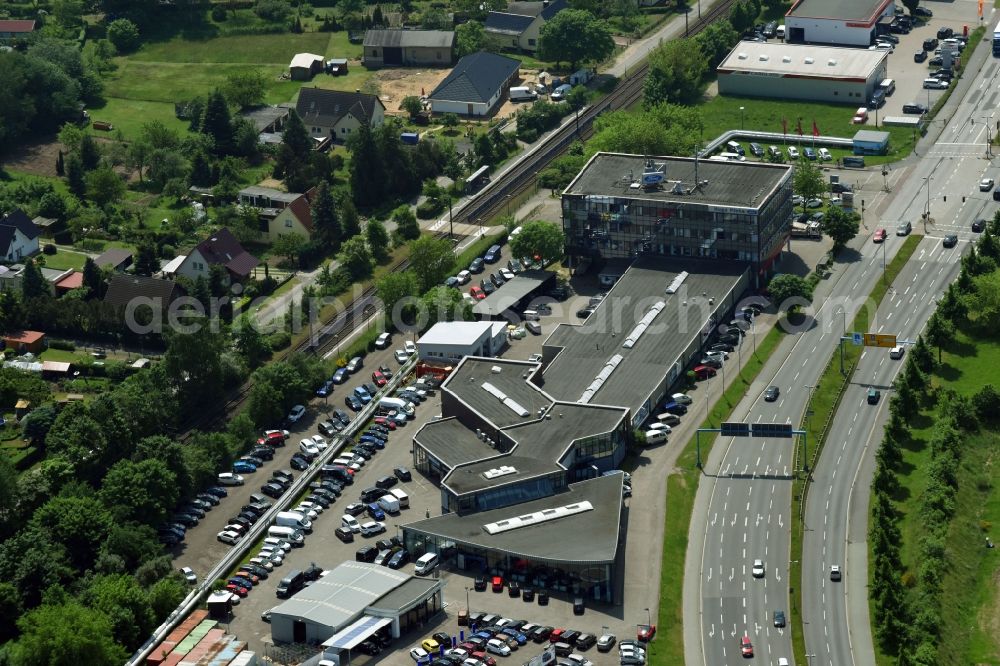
(722, 113)
(65, 259)
(129, 115)
(970, 605)
(257, 50)
(63, 356)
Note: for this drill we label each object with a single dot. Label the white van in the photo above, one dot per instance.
(289, 534)
(779, 32)
(732, 157)
(888, 86)
(293, 519)
(522, 94)
(401, 497)
(681, 398)
(349, 522)
(398, 404)
(426, 564)
(655, 437)
(389, 504)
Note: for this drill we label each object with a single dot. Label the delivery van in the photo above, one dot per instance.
(290, 584)
(398, 404)
(289, 534)
(426, 564)
(293, 519)
(401, 497)
(522, 94)
(654, 437)
(389, 504)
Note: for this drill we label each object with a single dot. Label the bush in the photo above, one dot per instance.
(528, 135)
(279, 340)
(49, 248)
(124, 35)
(218, 14)
(429, 209)
(65, 345)
(273, 10)
(92, 244)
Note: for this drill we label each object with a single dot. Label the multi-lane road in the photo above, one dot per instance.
(743, 504)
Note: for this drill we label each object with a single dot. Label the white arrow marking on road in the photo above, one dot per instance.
(781, 522)
(714, 516)
(711, 632)
(732, 574)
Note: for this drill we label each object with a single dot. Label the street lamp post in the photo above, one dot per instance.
(467, 599)
(741, 118)
(843, 334)
(648, 618)
(927, 213)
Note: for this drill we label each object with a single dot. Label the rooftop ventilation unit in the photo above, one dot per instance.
(786, 59)
(831, 62)
(537, 517)
(764, 57)
(741, 56)
(678, 281)
(809, 61)
(643, 324)
(497, 472)
(495, 369)
(511, 404)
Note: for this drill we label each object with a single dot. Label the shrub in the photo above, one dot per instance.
(428, 209)
(49, 248)
(65, 345)
(124, 35)
(273, 10)
(279, 340)
(218, 13)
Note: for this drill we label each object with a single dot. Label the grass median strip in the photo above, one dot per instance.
(681, 489)
(823, 405)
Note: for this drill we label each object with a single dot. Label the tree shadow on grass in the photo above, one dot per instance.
(165, 25)
(961, 348)
(901, 494)
(948, 372)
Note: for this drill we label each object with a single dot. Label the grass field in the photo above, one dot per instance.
(65, 259)
(722, 113)
(970, 605)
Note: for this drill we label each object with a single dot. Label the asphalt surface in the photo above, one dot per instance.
(742, 508)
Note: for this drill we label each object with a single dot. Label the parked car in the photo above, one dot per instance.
(230, 479)
(296, 413)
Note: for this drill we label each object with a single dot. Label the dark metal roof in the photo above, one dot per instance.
(125, 288)
(476, 78)
(510, 294)
(114, 257)
(317, 106)
(588, 537)
(16, 220)
(507, 24)
(441, 39)
(406, 596)
(467, 382)
(452, 443)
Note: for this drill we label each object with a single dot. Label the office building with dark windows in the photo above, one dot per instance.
(626, 206)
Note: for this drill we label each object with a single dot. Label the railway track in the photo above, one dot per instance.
(486, 206)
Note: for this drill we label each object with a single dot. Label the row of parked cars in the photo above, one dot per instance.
(173, 531)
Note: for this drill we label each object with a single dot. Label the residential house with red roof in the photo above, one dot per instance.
(9, 29)
(222, 249)
(280, 212)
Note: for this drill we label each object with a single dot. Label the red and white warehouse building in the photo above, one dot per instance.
(842, 22)
(802, 71)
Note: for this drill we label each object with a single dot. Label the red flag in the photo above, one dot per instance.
(784, 125)
(798, 127)
(815, 128)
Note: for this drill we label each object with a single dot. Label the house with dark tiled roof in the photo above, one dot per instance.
(336, 113)
(9, 29)
(18, 236)
(476, 86)
(221, 249)
(520, 25)
(117, 258)
(403, 48)
(280, 212)
(124, 290)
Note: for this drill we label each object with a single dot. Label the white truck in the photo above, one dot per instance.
(293, 519)
(806, 230)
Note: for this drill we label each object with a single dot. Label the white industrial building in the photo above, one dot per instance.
(841, 22)
(352, 602)
(801, 71)
(453, 340)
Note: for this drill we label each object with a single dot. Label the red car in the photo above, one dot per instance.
(238, 590)
(879, 235)
(477, 293)
(382, 421)
(485, 658)
(253, 578)
(746, 647)
(497, 583)
(379, 378)
(646, 632)
(556, 635)
(702, 372)
(272, 437)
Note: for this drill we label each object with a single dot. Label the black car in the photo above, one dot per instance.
(342, 416)
(353, 402)
(186, 519)
(936, 61)
(943, 33)
(476, 266)
(779, 618)
(951, 240)
(209, 497)
(263, 452)
(978, 226)
(757, 150)
(386, 482)
(299, 463)
(330, 427)
(513, 589)
(487, 287)
(923, 11)
(400, 558)
(584, 313)
(899, 28)
(480, 584)
(723, 347)
(322, 500)
(728, 338)
(772, 393)
(274, 490)
(379, 428)
(241, 521)
(362, 451)
(218, 491)
(402, 474)
(344, 534)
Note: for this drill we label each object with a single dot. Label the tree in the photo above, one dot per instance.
(367, 168)
(146, 262)
(33, 285)
(442, 303)
(104, 186)
(807, 180)
(265, 403)
(922, 355)
(245, 88)
(275, 11)
(675, 72)
(66, 634)
(349, 218)
(166, 164)
(327, 229)
(90, 154)
(577, 97)
(124, 35)
(121, 599)
(716, 41)
(60, 164)
(411, 104)
(250, 342)
(76, 176)
(289, 245)
(143, 492)
(193, 364)
(538, 239)
(356, 258)
(406, 223)
(431, 259)
(296, 137)
(787, 286)
(952, 306)
(218, 124)
(166, 595)
(378, 240)
(840, 225)
(575, 35)
(10, 610)
(69, 13)
(470, 37)
(985, 304)
(393, 288)
(939, 334)
(77, 523)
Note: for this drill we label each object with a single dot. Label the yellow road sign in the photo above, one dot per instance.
(880, 340)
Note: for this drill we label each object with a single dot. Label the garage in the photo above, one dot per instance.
(392, 55)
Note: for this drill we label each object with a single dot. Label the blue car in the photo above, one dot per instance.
(485, 635)
(374, 441)
(516, 635)
(363, 395)
(352, 402)
(340, 376)
(218, 491)
(242, 582)
(326, 389)
(244, 467)
(809, 153)
(376, 512)
(675, 408)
